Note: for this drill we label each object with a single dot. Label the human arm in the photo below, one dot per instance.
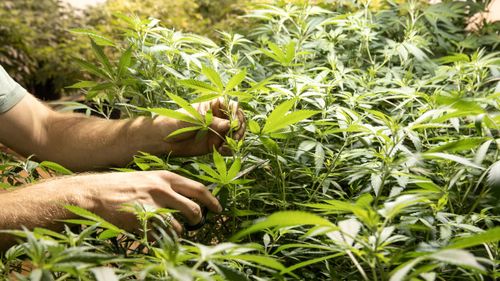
(42, 204)
(81, 143)
(492, 14)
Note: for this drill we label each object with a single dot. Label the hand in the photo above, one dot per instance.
(188, 144)
(106, 194)
(492, 14)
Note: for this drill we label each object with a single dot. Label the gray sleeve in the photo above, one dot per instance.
(10, 91)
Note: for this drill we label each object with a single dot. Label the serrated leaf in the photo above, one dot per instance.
(376, 183)
(125, 61)
(56, 167)
(494, 176)
(92, 217)
(220, 165)
(90, 68)
(97, 38)
(261, 260)
(199, 86)
(213, 76)
(207, 169)
(278, 116)
(234, 170)
(283, 219)
(401, 271)
(460, 145)
(481, 152)
(319, 158)
(290, 52)
(236, 80)
(172, 114)
(489, 236)
(457, 257)
(453, 158)
(101, 56)
(309, 262)
(108, 233)
(287, 120)
(83, 84)
(206, 97)
(254, 127)
(230, 273)
(186, 106)
(184, 130)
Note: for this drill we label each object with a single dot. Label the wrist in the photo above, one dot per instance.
(148, 134)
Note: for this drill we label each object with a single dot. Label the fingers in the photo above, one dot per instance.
(220, 125)
(188, 208)
(219, 108)
(196, 191)
(240, 133)
(475, 22)
(176, 226)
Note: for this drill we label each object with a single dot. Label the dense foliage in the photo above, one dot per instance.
(36, 47)
(373, 134)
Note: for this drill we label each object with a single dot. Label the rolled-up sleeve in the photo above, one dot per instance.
(10, 91)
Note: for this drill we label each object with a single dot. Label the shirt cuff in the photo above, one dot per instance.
(13, 98)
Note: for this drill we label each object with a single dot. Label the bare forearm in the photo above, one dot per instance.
(39, 205)
(83, 143)
(77, 141)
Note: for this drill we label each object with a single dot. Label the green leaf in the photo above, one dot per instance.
(125, 61)
(494, 177)
(278, 114)
(457, 257)
(93, 217)
(101, 56)
(489, 236)
(276, 122)
(80, 221)
(108, 233)
(83, 84)
(186, 106)
(206, 97)
(234, 170)
(91, 68)
(184, 130)
(453, 158)
(209, 117)
(401, 271)
(55, 167)
(309, 262)
(460, 145)
(319, 158)
(283, 219)
(213, 76)
(220, 165)
(199, 86)
(97, 38)
(278, 53)
(262, 260)
(230, 273)
(290, 52)
(207, 169)
(254, 127)
(172, 114)
(236, 80)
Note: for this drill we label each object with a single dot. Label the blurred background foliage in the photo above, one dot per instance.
(37, 47)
